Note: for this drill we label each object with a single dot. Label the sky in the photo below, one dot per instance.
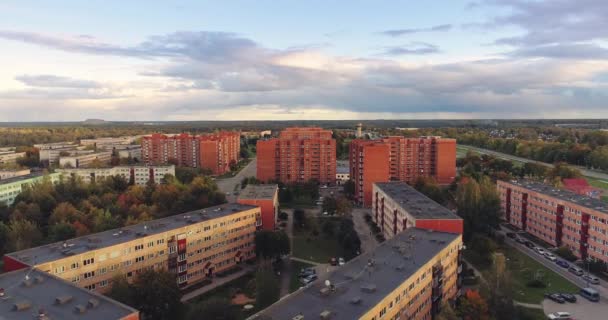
(283, 60)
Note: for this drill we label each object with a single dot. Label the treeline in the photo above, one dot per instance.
(47, 212)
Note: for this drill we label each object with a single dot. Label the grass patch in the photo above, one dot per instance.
(529, 313)
(244, 284)
(523, 268)
(311, 244)
(602, 184)
(294, 281)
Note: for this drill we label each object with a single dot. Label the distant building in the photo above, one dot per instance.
(108, 143)
(10, 188)
(9, 157)
(211, 151)
(397, 206)
(400, 159)
(28, 294)
(128, 151)
(11, 173)
(342, 173)
(193, 246)
(139, 175)
(558, 217)
(359, 133)
(55, 145)
(407, 277)
(265, 196)
(50, 154)
(582, 187)
(297, 156)
(84, 160)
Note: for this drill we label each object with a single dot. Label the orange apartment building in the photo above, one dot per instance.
(397, 207)
(406, 277)
(194, 246)
(559, 217)
(297, 156)
(265, 196)
(214, 151)
(405, 159)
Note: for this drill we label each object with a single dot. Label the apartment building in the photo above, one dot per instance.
(406, 159)
(55, 145)
(128, 151)
(84, 160)
(11, 187)
(194, 246)
(265, 196)
(11, 173)
(397, 206)
(108, 143)
(406, 277)
(212, 151)
(28, 294)
(297, 156)
(9, 157)
(139, 175)
(558, 217)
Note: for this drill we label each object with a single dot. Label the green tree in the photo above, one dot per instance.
(330, 205)
(23, 234)
(447, 313)
(349, 189)
(267, 287)
(271, 244)
(214, 308)
(473, 307)
(479, 206)
(299, 217)
(61, 231)
(4, 236)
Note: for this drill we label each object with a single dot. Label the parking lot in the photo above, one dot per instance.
(583, 309)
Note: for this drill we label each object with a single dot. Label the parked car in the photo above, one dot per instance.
(307, 272)
(568, 297)
(511, 235)
(591, 279)
(576, 270)
(590, 294)
(539, 250)
(341, 261)
(530, 244)
(559, 316)
(333, 261)
(562, 263)
(324, 187)
(555, 297)
(309, 279)
(550, 256)
(520, 239)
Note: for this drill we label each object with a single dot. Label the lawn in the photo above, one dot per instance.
(311, 244)
(294, 282)
(535, 314)
(602, 184)
(523, 269)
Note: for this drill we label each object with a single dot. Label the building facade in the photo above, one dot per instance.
(139, 175)
(558, 217)
(397, 206)
(9, 157)
(214, 151)
(265, 196)
(11, 187)
(406, 277)
(193, 246)
(298, 155)
(406, 159)
(11, 173)
(84, 160)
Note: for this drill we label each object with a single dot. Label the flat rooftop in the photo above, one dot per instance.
(57, 250)
(394, 261)
(562, 194)
(21, 178)
(41, 292)
(414, 202)
(259, 191)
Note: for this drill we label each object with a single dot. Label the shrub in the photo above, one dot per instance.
(565, 253)
(283, 215)
(536, 283)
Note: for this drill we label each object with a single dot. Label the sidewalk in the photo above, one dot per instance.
(217, 282)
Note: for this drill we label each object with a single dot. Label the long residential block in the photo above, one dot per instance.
(193, 246)
(266, 196)
(397, 207)
(406, 277)
(139, 175)
(298, 155)
(11, 187)
(558, 217)
(400, 159)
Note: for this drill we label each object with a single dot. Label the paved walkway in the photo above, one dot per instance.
(528, 305)
(229, 184)
(287, 266)
(368, 241)
(217, 282)
(306, 261)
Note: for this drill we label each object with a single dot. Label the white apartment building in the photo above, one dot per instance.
(78, 161)
(139, 175)
(11, 173)
(7, 157)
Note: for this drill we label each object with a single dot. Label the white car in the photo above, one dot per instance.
(341, 261)
(540, 250)
(559, 315)
(550, 256)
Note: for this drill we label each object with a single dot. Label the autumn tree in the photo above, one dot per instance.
(473, 307)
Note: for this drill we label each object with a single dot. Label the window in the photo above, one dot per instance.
(88, 261)
(89, 274)
(139, 259)
(139, 247)
(60, 269)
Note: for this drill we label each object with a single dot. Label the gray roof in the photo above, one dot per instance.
(41, 291)
(260, 191)
(22, 178)
(562, 194)
(395, 261)
(414, 202)
(56, 251)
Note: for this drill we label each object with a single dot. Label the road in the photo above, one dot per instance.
(228, 184)
(602, 288)
(368, 241)
(586, 172)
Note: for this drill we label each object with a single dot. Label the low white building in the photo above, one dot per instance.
(11, 173)
(84, 160)
(7, 157)
(139, 175)
(342, 172)
(128, 151)
(10, 188)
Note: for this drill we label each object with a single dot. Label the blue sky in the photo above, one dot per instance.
(220, 60)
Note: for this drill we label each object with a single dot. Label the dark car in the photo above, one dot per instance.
(520, 239)
(511, 235)
(555, 297)
(333, 261)
(568, 297)
(562, 263)
(530, 245)
(307, 272)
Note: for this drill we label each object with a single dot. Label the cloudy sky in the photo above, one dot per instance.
(267, 59)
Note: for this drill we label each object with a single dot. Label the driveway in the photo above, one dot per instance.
(583, 309)
(368, 241)
(228, 184)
